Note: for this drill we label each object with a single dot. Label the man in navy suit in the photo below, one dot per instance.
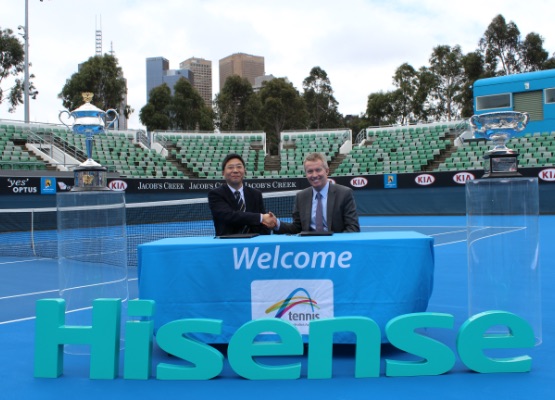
(338, 208)
(237, 208)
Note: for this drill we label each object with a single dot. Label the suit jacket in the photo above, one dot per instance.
(228, 220)
(341, 211)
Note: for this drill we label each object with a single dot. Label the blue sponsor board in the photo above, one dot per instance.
(390, 181)
(47, 185)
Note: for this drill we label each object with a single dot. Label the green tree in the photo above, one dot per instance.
(506, 53)
(282, 108)
(356, 123)
(236, 106)
(12, 65)
(189, 110)
(447, 70)
(550, 63)
(157, 113)
(102, 76)
(379, 109)
(320, 102)
(534, 56)
(184, 111)
(500, 45)
(423, 107)
(406, 81)
(473, 69)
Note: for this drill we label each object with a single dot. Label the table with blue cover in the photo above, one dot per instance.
(378, 275)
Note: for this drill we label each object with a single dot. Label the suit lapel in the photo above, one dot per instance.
(231, 198)
(330, 206)
(248, 199)
(307, 210)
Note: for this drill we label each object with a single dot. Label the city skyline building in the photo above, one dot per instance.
(202, 74)
(244, 65)
(158, 72)
(122, 120)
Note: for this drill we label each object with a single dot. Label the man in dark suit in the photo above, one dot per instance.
(337, 204)
(237, 208)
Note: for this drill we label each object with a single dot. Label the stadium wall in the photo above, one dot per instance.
(437, 193)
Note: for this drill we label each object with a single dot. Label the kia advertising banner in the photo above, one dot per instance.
(23, 186)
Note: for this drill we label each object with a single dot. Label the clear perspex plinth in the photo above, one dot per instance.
(92, 254)
(503, 248)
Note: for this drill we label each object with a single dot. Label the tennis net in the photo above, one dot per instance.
(32, 232)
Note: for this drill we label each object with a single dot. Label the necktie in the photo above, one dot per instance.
(240, 201)
(319, 221)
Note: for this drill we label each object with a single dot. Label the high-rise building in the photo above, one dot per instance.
(156, 68)
(245, 65)
(158, 72)
(202, 73)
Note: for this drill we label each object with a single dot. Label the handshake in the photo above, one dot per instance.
(269, 220)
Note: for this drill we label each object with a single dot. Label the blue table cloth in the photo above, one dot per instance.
(379, 275)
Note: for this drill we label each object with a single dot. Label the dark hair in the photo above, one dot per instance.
(230, 157)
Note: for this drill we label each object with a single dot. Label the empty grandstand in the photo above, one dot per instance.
(197, 155)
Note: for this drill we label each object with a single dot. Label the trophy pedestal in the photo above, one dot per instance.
(503, 246)
(92, 255)
(501, 164)
(90, 176)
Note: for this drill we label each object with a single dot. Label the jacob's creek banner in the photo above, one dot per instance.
(22, 186)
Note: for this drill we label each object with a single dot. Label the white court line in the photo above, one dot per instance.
(512, 229)
(95, 284)
(28, 294)
(446, 243)
(455, 230)
(17, 320)
(51, 291)
(35, 294)
(34, 317)
(23, 261)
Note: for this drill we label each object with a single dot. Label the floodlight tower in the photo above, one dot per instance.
(98, 36)
(26, 62)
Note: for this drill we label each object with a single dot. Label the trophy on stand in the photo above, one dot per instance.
(92, 235)
(499, 127)
(89, 121)
(502, 214)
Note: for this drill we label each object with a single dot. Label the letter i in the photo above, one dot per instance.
(138, 340)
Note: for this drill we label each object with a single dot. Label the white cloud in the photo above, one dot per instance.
(359, 43)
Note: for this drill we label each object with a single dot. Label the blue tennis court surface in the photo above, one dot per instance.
(26, 279)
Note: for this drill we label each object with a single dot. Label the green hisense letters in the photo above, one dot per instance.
(206, 362)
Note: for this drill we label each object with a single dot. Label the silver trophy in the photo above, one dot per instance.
(89, 120)
(500, 127)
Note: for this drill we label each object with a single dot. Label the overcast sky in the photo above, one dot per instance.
(359, 43)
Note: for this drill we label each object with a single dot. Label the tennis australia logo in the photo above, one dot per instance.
(296, 301)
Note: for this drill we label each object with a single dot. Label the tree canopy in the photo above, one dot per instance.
(237, 106)
(443, 90)
(184, 111)
(102, 76)
(283, 108)
(157, 113)
(12, 65)
(320, 103)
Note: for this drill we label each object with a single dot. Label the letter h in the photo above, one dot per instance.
(103, 336)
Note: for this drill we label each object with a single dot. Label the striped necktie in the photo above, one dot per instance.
(239, 201)
(319, 219)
